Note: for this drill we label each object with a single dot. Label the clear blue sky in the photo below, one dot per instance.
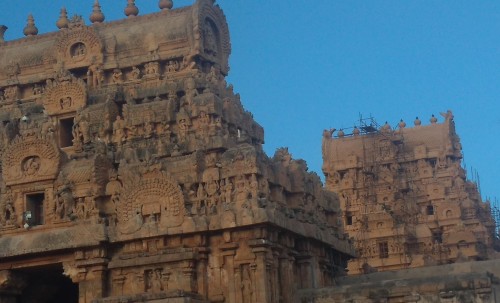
(302, 66)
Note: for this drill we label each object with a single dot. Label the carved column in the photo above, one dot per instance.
(228, 253)
(202, 272)
(186, 276)
(260, 247)
(304, 264)
(89, 271)
(287, 285)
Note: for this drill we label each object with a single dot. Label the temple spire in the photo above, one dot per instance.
(97, 16)
(30, 29)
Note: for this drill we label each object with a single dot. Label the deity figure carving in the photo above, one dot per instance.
(246, 284)
(135, 74)
(152, 69)
(64, 202)
(212, 189)
(66, 102)
(81, 129)
(106, 129)
(254, 186)
(210, 39)
(78, 50)
(228, 191)
(154, 280)
(84, 207)
(11, 93)
(172, 101)
(38, 89)
(241, 190)
(113, 189)
(8, 215)
(189, 62)
(149, 129)
(191, 92)
(183, 124)
(172, 66)
(95, 76)
(119, 131)
(31, 166)
(117, 76)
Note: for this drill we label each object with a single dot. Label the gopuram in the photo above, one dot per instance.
(405, 198)
(130, 171)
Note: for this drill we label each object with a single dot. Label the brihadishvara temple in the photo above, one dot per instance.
(131, 172)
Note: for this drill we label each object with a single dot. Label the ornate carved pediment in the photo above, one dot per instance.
(150, 197)
(30, 159)
(213, 39)
(65, 94)
(79, 46)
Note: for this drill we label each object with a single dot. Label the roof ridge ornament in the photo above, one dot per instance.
(63, 21)
(97, 16)
(30, 29)
(76, 22)
(131, 10)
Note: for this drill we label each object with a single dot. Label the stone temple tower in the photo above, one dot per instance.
(130, 171)
(404, 196)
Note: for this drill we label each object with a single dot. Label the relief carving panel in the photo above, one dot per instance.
(29, 160)
(153, 198)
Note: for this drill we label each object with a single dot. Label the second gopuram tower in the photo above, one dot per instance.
(404, 196)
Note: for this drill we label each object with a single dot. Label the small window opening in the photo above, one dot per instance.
(383, 250)
(66, 132)
(34, 214)
(348, 219)
(437, 236)
(430, 210)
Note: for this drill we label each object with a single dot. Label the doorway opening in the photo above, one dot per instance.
(47, 284)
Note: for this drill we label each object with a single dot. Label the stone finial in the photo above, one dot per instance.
(131, 10)
(433, 120)
(3, 28)
(340, 133)
(63, 21)
(97, 16)
(401, 124)
(417, 122)
(30, 29)
(386, 127)
(165, 4)
(355, 131)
